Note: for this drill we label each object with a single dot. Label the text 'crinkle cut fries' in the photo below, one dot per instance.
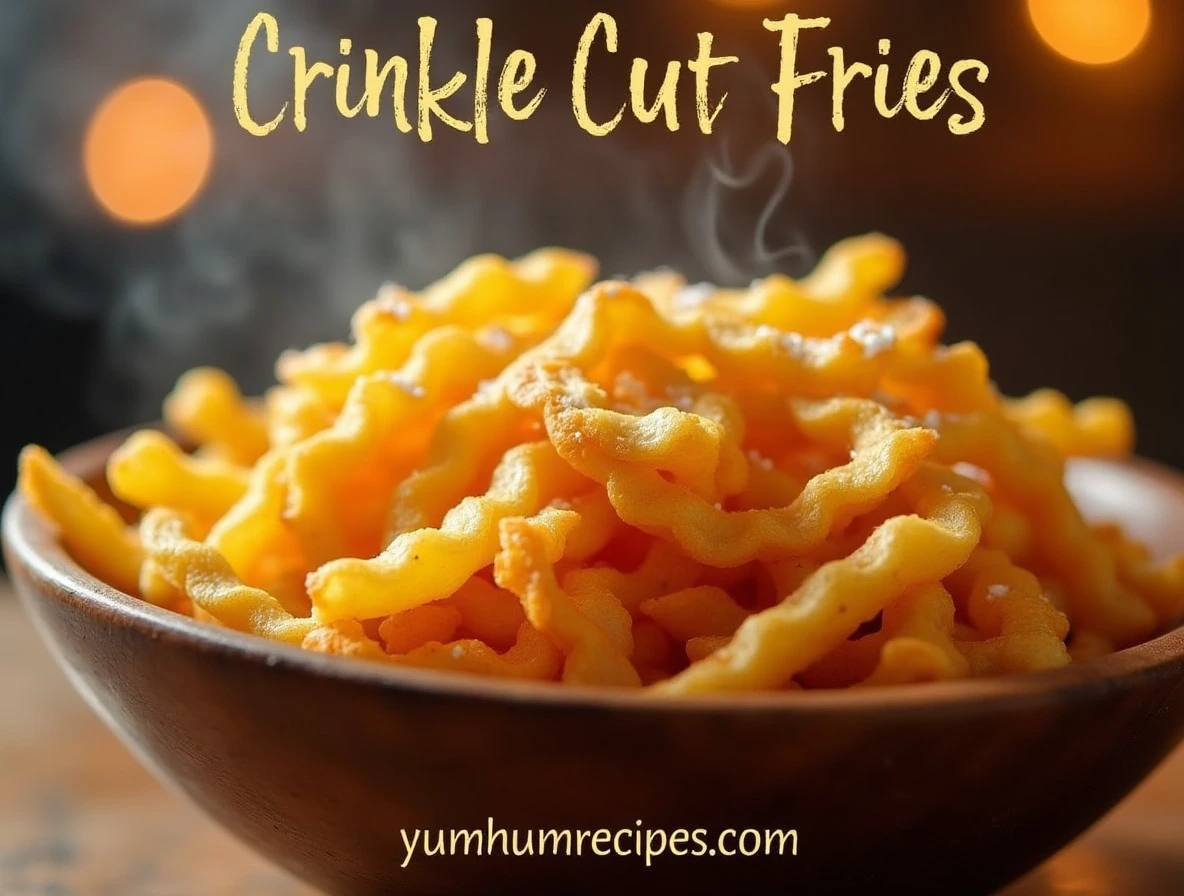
(650, 485)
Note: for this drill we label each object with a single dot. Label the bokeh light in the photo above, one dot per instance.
(148, 150)
(1095, 32)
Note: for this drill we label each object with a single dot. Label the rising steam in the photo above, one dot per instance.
(292, 233)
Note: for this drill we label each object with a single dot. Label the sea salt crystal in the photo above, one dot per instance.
(415, 390)
(498, 339)
(874, 338)
(760, 460)
(794, 344)
(458, 652)
(693, 296)
(390, 300)
(627, 387)
(995, 592)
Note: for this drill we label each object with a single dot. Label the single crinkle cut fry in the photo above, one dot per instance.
(294, 414)
(92, 532)
(531, 657)
(841, 290)
(428, 564)
(1022, 630)
(1096, 427)
(470, 437)
(690, 447)
(344, 638)
(403, 632)
(522, 566)
(150, 470)
(207, 408)
(207, 579)
(696, 612)
(772, 646)
(488, 613)
(885, 453)
(918, 640)
(252, 536)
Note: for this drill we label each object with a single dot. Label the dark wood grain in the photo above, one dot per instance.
(81, 816)
(318, 762)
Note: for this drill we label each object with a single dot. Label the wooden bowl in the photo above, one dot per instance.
(319, 762)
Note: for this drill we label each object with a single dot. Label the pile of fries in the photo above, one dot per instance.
(516, 473)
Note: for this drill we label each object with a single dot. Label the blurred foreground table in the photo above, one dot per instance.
(80, 817)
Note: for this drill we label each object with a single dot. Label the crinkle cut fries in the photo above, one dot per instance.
(635, 484)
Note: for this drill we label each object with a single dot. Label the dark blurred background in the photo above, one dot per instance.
(134, 243)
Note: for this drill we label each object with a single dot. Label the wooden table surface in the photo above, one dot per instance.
(79, 816)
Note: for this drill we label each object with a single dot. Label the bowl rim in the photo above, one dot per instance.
(30, 543)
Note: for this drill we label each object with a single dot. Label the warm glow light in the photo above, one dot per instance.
(1096, 32)
(148, 150)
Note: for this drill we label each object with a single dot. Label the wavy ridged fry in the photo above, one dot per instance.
(613, 316)
(1023, 631)
(1160, 584)
(489, 613)
(542, 284)
(253, 528)
(886, 452)
(953, 380)
(918, 640)
(905, 552)
(207, 579)
(90, 530)
(207, 408)
(597, 525)
(662, 570)
(341, 480)
(696, 612)
(532, 657)
(150, 470)
(295, 414)
(524, 567)
(512, 475)
(428, 564)
(1032, 479)
(842, 289)
(468, 437)
(413, 628)
(1096, 427)
(344, 638)
(690, 447)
